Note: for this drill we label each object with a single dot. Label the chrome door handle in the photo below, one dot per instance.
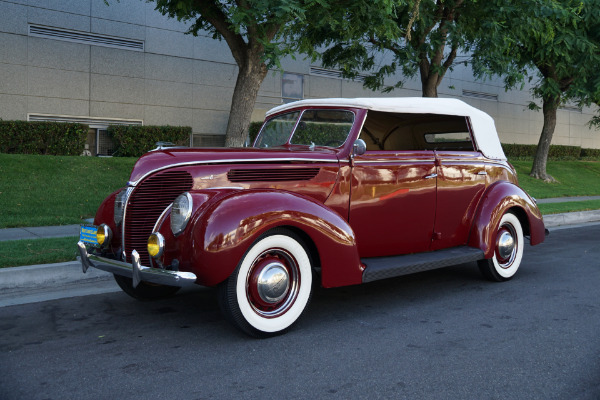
(431, 176)
(482, 173)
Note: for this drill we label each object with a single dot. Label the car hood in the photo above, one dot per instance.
(163, 159)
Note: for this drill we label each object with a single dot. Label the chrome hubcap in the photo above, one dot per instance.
(506, 245)
(273, 283)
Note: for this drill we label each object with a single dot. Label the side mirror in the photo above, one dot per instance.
(359, 147)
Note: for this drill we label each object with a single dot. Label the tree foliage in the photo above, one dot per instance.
(553, 44)
(253, 30)
(382, 37)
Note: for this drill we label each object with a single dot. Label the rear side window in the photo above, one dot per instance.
(448, 137)
(395, 131)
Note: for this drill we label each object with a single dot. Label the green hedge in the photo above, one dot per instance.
(556, 152)
(133, 141)
(46, 138)
(590, 154)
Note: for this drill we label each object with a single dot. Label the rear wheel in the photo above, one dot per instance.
(271, 286)
(145, 291)
(508, 251)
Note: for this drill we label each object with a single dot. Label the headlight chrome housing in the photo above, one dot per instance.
(181, 212)
(156, 245)
(103, 235)
(119, 208)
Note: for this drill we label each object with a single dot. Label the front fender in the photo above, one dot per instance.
(498, 199)
(225, 229)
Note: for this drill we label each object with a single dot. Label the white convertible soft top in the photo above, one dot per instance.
(484, 130)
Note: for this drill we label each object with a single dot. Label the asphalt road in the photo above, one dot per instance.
(445, 334)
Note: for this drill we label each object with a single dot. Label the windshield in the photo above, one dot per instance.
(316, 127)
(277, 131)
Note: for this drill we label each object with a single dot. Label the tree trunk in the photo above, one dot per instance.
(429, 79)
(429, 86)
(538, 170)
(250, 77)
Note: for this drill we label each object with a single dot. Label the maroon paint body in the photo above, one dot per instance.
(502, 197)
(380, 203)
(387, 188)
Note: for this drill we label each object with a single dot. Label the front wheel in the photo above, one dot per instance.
(508, 251)
(271, 286)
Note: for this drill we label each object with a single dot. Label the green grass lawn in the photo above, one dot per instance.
(56, 190)
(575, 178)
(37, 251)
(556, 208)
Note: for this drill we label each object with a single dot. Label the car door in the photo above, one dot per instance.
(392, 201)
(461, 182)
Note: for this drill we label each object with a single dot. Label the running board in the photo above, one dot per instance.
(389, 267)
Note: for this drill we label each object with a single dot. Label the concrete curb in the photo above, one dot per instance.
(48, 275)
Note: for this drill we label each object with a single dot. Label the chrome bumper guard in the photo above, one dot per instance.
(135, 270)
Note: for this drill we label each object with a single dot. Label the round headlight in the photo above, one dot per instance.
(181, 212)
(156, 244)
(103, 235)
(119, 208)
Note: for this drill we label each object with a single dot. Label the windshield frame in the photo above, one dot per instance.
(300, 116)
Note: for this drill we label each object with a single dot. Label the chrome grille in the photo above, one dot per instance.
(272, 175)
(147, 201)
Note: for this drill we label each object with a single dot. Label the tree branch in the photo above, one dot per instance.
(448, 63)
(215, 16)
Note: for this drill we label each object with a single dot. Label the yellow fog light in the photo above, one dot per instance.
(103, 235)
(156, 244)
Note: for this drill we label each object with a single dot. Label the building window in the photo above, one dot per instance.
(292, 87)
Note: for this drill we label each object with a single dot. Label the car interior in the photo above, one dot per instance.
(394, 131)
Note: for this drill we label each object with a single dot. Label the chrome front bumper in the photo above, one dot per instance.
(135, 270)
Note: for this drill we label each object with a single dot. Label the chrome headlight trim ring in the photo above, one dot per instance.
(107, 233)
(181, 212)
(160, 242)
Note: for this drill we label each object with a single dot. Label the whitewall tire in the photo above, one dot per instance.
(271, 287)
(508, 250)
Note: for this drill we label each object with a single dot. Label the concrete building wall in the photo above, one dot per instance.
(178, 79)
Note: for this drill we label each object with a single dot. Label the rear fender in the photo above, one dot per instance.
(500, 198)
(224, 230)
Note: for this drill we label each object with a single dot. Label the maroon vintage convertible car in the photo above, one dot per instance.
(336, 191)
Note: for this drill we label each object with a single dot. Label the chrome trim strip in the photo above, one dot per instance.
(499, 164)
(261, 160)
(159, 220)
(223, 187)
(130, 190)
(393, 161)
(145, 274)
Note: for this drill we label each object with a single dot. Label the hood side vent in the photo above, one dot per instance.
(272, 175)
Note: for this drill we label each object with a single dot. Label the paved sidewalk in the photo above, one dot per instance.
(567, 199)
(39, 232)
(73, 230)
